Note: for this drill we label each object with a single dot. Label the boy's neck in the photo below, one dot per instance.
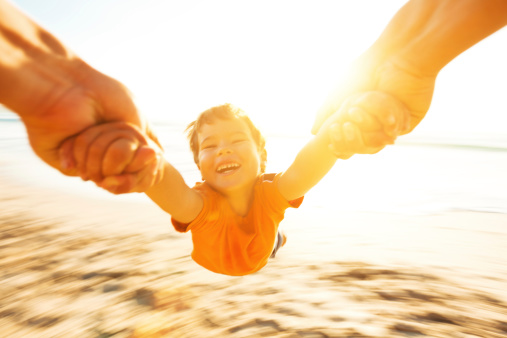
(240, 200)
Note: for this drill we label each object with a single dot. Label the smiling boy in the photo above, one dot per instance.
(235, 212)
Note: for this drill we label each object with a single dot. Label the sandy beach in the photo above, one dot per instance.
(77, 266)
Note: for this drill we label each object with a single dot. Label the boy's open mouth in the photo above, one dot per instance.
(227, 168)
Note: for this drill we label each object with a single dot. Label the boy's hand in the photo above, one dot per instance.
(366, 123)
(116, 156)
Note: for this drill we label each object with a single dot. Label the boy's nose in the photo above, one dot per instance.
(224, 150)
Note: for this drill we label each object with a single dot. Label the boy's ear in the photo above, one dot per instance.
(264, 159)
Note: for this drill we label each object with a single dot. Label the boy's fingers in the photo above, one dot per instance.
(118, 154)
(366, 131)
(119, 184)
(377, 139)
(104, 135)
(81, 147)
(134, 182)
(349, 140)
(66, 155)
(363, 119)
(391, 112)
(111, 151)
(345, 138)
(337, 138)
(338, 154)
(146, 177)
(142, 157)
(150, 174)
(140, 181)
(353, 137)
(337, 145)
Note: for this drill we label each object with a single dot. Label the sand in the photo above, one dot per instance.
(75, 266)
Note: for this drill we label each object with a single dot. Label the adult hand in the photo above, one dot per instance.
(405, 92)
(101, 99)
(56, 94)
(117, 156)
(365, 123)
(423, 37)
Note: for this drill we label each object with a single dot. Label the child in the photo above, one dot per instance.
(235, 212)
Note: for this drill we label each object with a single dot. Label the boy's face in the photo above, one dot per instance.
(229, 158)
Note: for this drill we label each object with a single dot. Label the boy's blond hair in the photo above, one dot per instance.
(225, 112)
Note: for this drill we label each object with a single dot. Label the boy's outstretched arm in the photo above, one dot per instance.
(340, 137)
(175, 197)
(312, 163)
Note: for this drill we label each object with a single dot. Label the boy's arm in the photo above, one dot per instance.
(340, 138)
(175, 197)
(311, 164)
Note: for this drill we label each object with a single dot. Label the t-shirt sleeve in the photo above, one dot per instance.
(205, 213)
(180, 227)
(297, 202)
(271, 193)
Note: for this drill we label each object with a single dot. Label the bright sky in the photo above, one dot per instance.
(277, 59)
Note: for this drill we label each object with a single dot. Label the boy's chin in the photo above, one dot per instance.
(226, 186)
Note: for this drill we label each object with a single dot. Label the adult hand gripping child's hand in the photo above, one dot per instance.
(116, 156)
(365, 123)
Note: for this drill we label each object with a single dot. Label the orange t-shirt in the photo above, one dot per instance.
(234, 245)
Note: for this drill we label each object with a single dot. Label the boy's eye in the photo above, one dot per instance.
(208, 146)
(239, 140)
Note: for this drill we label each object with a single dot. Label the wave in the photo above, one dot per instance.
(470, 141)
(455, 146)
(6, 116)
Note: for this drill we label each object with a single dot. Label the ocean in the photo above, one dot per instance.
(421, 174)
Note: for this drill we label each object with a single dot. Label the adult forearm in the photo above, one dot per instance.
(427, 34)
(35, 68)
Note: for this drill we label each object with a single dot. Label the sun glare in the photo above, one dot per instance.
(277, 64)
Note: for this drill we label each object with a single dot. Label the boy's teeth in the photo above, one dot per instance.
(225, 167)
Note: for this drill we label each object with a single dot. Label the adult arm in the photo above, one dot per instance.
(423, 37)
(55, 93)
